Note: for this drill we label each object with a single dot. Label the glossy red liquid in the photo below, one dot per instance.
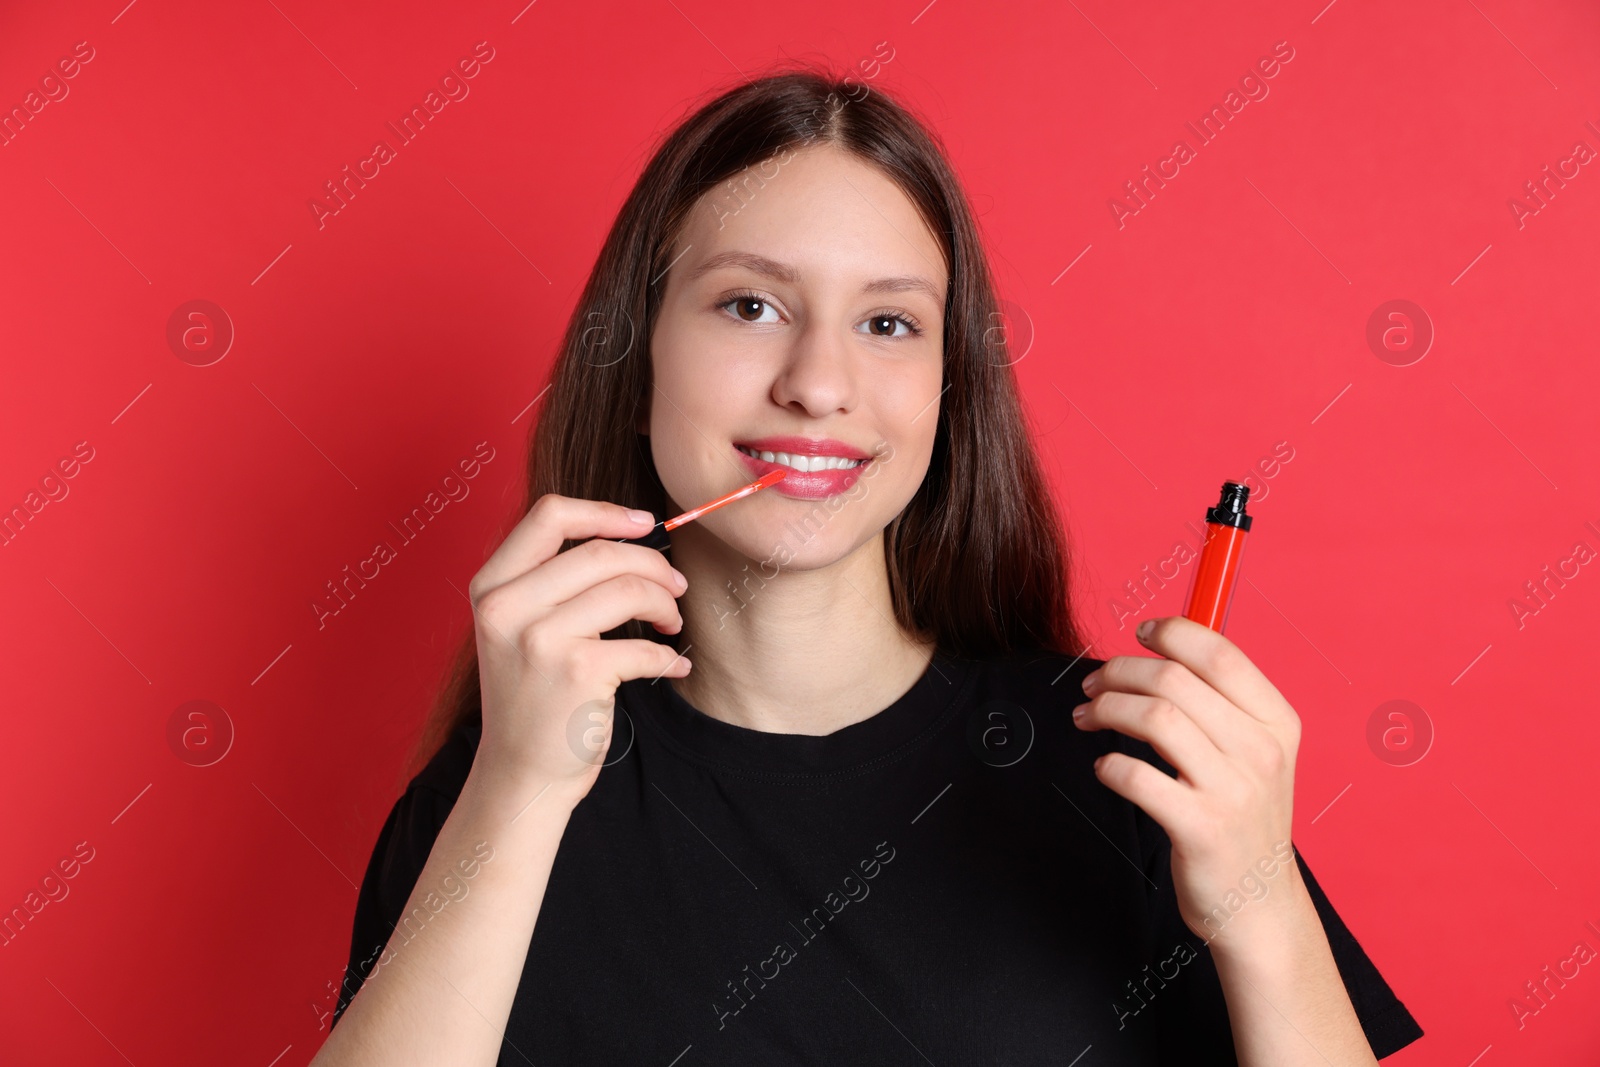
(1215, 575)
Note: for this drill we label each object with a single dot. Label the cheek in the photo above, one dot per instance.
(904, 411)
(676, 442)
(908, 401)
(695, 407)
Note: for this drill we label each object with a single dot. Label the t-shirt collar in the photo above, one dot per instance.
(875, 740)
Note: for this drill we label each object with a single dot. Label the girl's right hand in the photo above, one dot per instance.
(547, 677)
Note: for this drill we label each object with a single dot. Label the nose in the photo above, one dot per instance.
(818, 375)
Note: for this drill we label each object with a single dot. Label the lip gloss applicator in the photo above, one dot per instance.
(772, 477)
(1211, 589)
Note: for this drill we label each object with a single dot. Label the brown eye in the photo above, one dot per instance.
(889, 322)
(751, 309)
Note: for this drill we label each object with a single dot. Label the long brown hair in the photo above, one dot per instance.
(976, 560)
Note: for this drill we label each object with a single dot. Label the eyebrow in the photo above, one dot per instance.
(788, 274)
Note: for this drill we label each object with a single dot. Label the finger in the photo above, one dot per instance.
(1164, 726)
(1230, 729)
(613, 602)
(638, 658)
(582, 567)
(552, 520)
(1163, 798)
(1219, 663)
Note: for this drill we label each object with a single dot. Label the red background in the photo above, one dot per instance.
(1228, 315)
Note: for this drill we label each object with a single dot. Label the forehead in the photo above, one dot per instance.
(824, 212)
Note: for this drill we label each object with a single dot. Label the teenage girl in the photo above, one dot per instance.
(825, 776)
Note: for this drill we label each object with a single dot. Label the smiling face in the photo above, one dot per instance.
(801, 327)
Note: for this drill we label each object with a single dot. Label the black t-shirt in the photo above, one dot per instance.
(945, 881)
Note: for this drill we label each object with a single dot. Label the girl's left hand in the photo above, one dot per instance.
(1232, 737)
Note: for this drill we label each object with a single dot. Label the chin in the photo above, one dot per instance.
(797, 535)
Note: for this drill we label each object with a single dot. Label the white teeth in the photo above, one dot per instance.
(803, 463)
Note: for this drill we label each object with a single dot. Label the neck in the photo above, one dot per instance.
(791, 651)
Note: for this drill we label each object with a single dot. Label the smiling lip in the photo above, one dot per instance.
(808, 485)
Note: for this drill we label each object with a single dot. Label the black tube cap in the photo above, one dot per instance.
(1230, 509)
(657, 538)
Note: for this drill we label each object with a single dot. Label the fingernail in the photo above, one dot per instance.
(683, 583)
(1091, 683)
(1079, 712)
(1144, 629)
(643, 518)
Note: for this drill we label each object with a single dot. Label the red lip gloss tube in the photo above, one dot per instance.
(1211, 588)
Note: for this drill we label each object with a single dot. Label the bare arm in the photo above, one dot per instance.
(441, 992)
(1287, 1004)
(443, 988)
